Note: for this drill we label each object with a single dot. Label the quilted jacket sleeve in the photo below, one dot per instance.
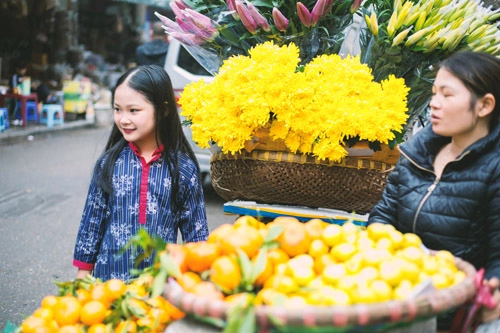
(493, 268)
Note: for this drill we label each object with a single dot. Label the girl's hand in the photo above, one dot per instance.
(487, 314)
(82, 274)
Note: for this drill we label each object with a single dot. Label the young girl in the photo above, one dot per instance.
(446, 186)
(147, 177)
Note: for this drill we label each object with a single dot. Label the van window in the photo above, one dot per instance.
(188, 63)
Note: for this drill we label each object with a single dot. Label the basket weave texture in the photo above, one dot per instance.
(267, 172)
(359, 318)
(273, 177)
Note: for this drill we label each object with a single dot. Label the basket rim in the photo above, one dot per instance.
(288, 157)
(394, 311)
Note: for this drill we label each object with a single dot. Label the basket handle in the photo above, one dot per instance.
(466, 314)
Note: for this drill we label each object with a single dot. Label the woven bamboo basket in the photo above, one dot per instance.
(377, 317)
(267, 172)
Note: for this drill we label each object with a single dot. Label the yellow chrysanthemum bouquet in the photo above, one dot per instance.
(319, 108)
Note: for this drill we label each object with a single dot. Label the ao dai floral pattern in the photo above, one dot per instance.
(109, 223)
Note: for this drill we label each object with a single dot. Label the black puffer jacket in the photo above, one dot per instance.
(459, 212)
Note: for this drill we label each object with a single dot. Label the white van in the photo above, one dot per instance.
(183, 69)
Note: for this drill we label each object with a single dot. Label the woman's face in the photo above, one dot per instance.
(451, 114)
(135, 116)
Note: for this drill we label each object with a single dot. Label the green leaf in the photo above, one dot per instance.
(246, 268)
(170, 265)
(241, 318)
(159, 283)
(274, 233)
(259, 266)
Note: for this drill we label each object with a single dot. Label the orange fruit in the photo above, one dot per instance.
(49, 301)
(277, 256)
(294, 239)
(414, 254)
(139, 306)
(225, 273)
(317, 248)
(83, 296)
(343, 251)
(45, 313)
(99, 292)
(71, 329)
(266, 272)
(159, 315)
(115, 288)
(201, 255)
(332, 234)
(314, 228)
(208, 290)
(321, 262)
(178, 254)
(333, 273)
(188, 280)
(246, 238)
(410, 239)
(249, 221)
(128, 326)
(33, 324)
(93, 312)
(67, 310)
(220, 233)
(239, 298)
(97, 328)
(173, 312)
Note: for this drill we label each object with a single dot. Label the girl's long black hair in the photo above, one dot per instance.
(154, 84)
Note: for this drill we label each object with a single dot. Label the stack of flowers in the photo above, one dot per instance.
(403, 38)
(407, 39)
(214, 30)
(315, 109)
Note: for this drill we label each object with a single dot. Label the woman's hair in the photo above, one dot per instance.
(154, 84)
(480, 73)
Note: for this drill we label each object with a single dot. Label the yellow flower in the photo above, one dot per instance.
(313, 110)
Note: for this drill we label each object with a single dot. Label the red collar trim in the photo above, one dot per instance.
(156, 153)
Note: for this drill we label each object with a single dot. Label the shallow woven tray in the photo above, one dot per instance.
(357, 318)
(277, 177)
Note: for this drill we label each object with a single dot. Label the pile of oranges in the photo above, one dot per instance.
(290, 263)
(284, 262)
(100, 307)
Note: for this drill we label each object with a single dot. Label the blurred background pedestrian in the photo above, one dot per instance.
(154, 51)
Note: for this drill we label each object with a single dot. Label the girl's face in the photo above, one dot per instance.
(134, 116)
(451, 114)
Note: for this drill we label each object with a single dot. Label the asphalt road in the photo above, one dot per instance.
(43, 184)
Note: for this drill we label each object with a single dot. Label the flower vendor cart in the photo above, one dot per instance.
(291, 120)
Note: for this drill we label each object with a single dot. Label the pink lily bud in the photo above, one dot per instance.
(187, 38)
(175, 9)
(355, 6)
(205, 21)
(168, 23)
(304, 14)
(259, 19)
(190, 27)
(208, 29)
(246, 17)
(328, 7)
(181, 4)
(318, 11)
(280, 20)
(232, 8)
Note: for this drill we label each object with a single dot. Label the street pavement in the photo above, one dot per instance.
(44, 175)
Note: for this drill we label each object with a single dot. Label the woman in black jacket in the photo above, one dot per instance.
(446, 185)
